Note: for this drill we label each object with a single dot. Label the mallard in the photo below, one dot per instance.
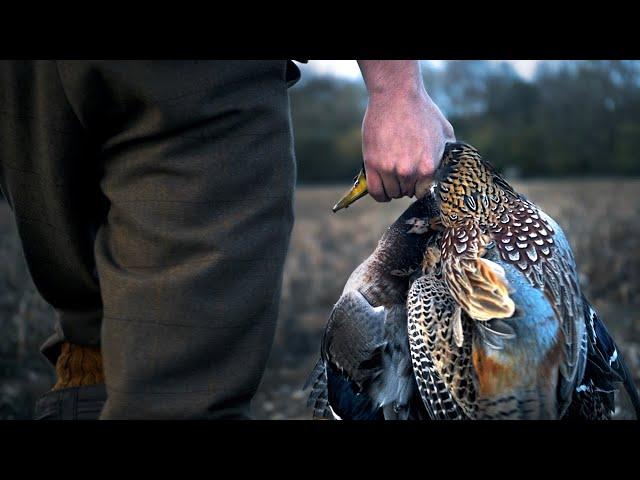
(497, 325)
(364, 371)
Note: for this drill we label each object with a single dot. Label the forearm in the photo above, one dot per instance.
(390, 77)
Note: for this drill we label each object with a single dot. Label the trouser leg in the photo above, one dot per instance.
(197, 166)
(49, 174)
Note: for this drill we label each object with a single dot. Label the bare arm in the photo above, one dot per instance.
(403, 132)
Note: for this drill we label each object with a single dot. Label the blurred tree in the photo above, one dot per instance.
(573, 118)
(327, 115)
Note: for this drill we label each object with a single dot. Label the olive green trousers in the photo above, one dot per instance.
(154, 204)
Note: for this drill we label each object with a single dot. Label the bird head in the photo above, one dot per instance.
(467, 187)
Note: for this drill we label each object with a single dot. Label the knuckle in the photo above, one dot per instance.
(386, 167)
(426, 168)
(405, 171)
(374, 166)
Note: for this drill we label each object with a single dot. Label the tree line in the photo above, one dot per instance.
(573, 118)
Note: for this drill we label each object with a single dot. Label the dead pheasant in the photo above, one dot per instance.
(498, 315)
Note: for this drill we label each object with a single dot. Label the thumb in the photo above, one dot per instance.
(423, 185)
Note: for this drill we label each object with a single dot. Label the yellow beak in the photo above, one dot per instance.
(358, 190)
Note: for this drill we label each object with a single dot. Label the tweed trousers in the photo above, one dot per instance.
(153, 200)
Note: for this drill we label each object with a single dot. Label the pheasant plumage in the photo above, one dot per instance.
(441, 361)
(509, 268)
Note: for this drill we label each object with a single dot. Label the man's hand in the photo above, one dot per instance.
(403, 133)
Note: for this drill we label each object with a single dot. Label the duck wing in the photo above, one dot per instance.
(606, 369)
(349, 360)
(365, 371)
(394, 385)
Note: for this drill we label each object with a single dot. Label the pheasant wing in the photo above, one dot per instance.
(428, 306)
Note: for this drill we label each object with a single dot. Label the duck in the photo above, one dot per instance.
(498, 315)
(364, 371)
(494, 324)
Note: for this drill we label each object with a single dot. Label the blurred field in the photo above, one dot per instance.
(601, 219)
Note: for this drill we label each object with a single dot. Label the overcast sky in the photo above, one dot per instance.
(349, 68)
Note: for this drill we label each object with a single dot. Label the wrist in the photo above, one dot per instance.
(408, 90)
(392, 78)
(399, 97)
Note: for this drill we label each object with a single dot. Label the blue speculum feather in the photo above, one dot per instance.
(347, 401)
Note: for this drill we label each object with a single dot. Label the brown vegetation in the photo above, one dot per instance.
(600, 218)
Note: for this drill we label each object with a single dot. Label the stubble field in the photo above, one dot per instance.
(600, 217)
